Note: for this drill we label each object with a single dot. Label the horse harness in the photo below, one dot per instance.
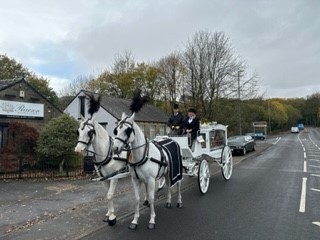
(107, 159)
(162, 162)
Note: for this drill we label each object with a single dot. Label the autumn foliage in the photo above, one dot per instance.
(20, 149)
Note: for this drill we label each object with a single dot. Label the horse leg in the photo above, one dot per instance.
(150, 190)
(179, 201)
(168, 202)
(146, 197)
(136, 187)
(106, 185)
(112, 216)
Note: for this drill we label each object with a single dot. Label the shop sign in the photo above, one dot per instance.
(15, 109)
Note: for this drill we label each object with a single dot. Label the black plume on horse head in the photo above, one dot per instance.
(94, 104)
(137, 101)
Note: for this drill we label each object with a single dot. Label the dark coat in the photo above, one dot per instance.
(176, 122)
(194, 126)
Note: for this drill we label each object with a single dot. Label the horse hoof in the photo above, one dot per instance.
(151, 226)
(146, 203)
(133, 226)
(112, 222)
(179, 205)
(106, 219)
(168, 205)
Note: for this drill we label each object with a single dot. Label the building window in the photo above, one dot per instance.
(152, 131)
(104, 125)
(82, 106)
(141, 125)
(161, 131)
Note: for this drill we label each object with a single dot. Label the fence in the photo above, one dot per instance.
(13, 168)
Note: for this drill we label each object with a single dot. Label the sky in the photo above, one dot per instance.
(62, 40)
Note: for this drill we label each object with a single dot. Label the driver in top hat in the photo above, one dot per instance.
(192, 124)
(176, 121)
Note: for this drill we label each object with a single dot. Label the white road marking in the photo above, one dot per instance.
(314, 166)
(315, 175)
(305, 166)
(314, 189)
(302, 208)
(316, 223)
(277, 140)
(316, 160)
(304, 155)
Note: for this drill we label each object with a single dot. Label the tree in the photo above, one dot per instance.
(311, 111)
(171, 76)
(212, 71)
(124, 63)
(42, 85)
(78, 84)
(10, 69)
(57, 140)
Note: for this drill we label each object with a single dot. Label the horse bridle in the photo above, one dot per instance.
(90, 133)
(128, 132)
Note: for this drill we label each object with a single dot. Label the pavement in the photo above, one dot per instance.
(72, 208)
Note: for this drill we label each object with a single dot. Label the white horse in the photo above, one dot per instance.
(106, 164)
(149, 163)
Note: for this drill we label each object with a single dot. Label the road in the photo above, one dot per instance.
(274, 195)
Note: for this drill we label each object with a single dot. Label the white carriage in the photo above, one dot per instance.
(210, 145)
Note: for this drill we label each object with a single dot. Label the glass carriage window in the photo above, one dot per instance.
(204, 140)
(218, 139)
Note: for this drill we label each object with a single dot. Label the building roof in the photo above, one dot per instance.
(8, 83)
(116, 106)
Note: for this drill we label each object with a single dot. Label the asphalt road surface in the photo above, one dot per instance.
(274, 195)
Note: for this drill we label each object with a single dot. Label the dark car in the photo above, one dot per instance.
(241, 144)
(257, 135)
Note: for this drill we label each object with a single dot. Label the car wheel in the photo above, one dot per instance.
(253, 148)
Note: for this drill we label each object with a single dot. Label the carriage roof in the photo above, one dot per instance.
(208, 127)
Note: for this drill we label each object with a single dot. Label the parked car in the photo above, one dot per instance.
(241, 144)
(294, 130)
(259, 136)
(300, 126)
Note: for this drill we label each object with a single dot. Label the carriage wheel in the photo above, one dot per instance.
(203, 176)
(226, 163)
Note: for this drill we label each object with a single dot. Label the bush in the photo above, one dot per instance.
(57, 141)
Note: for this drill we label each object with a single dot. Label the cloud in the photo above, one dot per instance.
(280, 40)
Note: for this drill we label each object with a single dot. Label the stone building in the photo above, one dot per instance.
(21, 102)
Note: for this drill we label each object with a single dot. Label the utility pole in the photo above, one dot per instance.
(269, 117)
(239, 103)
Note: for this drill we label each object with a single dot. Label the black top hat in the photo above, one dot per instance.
(192, 110)
(175, 106)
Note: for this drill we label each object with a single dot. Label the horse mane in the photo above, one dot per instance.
(94, 104)
(137, 101)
